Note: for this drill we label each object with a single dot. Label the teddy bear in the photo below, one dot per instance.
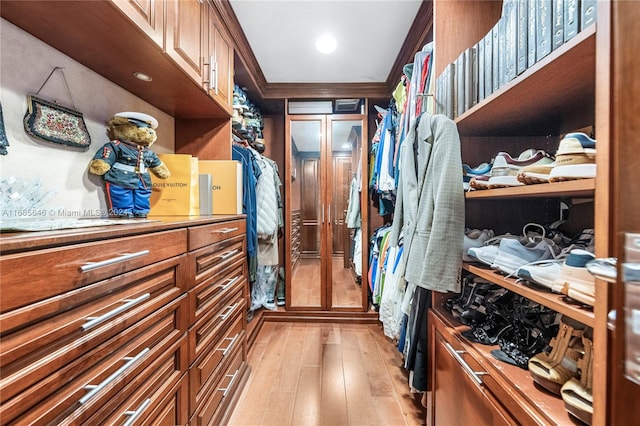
(125, 162)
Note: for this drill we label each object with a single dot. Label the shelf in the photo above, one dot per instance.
(581, 188)
(551, 300)
(549, 406)
(552, 97)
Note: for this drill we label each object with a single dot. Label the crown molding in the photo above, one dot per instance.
(251, 74)
(420, 33)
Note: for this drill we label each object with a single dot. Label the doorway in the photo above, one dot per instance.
(323, 162)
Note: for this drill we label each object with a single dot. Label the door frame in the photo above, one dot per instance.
(326, 291)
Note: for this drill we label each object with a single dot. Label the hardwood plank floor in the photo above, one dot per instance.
(306, 284)
(326, 374)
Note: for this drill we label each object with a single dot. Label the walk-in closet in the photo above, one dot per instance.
(429, 218)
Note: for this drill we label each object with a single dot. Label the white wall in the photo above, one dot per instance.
(25, 64)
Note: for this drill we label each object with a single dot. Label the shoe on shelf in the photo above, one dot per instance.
(577, 392)
(468, 173)
(575, 158)
(535, 173)
(574, 279)
(474, 238)
(505, 168)
(488, 252)
(604, 269)
(512, 254)
(542, 273)
(479, 182)
(556, 367)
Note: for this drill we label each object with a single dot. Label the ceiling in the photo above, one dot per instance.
(276, 57)
(282, 36)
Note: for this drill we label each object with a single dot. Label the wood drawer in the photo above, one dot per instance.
(210, 261)
(201, 236)
(113, 364)
(55, 336)
(460, 392)
(209, 367)
(220, 393)
(30, 277)
(212, 291)
(159, 396)
(206, 332)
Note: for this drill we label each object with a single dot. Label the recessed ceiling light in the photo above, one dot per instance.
(142, 76)
(346, 146)
(326, 44)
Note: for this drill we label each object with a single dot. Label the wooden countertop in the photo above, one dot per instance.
(11, 242)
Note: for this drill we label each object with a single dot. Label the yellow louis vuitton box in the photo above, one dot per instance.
(226, 185)
(178, 195)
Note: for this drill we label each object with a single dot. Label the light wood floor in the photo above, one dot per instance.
(306, 285)
(326, 374)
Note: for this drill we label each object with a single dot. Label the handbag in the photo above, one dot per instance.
(50, 122)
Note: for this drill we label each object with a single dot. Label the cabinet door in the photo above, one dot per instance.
(458, 399)
(220, 59)
(148, 15)
(184, 36)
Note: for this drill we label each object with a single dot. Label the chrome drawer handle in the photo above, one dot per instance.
(229, 254)
(225, 351)
(90, 266)
(129, 303)
(230, 309)
(94, 389)
(230, 282)
(475, 375)
(230, 385)
(226, 230)
(133, 415)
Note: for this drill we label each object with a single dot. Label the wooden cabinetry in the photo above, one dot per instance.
(165, 39)
(219, 59)
(104, 326)
(147, 15)
(555, 96)
(217, 335)
(185, 28)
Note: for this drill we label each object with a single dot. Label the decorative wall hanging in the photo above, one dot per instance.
(48, 121)
(4, 142)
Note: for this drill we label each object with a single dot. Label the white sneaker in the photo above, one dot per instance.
(474, 238)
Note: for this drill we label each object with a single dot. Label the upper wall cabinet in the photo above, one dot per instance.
(146, 14)
(184, 35)
(163, 39)
(219, 57)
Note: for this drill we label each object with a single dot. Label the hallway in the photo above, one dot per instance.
(326, 374)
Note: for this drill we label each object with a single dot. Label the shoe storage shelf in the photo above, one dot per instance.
(553, 97)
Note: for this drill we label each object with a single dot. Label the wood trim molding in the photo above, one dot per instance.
(420, 33)
(249, 71)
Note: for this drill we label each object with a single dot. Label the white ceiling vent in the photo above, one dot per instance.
(347, 105)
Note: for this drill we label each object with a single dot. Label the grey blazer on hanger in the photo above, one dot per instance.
(430, 204)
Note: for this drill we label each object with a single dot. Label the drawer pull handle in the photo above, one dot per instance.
(230, 282)
(230, 309)
(129, 303)
(475, 375)
(233, 341)
(230, 385)
(133, 415)
(90, 266)
(226, 230)
(229, 254)
(94, 389)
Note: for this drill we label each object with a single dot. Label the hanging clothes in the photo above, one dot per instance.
(250, 174)
(430, 204)
(269, 220)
